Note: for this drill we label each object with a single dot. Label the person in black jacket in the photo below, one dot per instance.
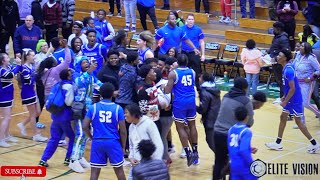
(209, 106)
(110, 71)
(9, 20)
(280, 41)
(36, 12)
(149, 168)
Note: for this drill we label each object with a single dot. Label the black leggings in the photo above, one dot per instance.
(221, 154)
(143, 11)
(290, 28)
(40, 94)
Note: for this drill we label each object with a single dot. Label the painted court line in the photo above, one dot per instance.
(286, 154)
(269, 137)
(17, 114)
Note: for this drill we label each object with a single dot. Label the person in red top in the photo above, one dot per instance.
(52, 15)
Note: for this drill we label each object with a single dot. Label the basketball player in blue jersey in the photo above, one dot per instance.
(59, 53)
(239, 147)
(181, 82)
(94, 51)
(107, 118)
(292, 103)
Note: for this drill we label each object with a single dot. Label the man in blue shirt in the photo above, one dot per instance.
(107, 118)
(197, 38)
(172, 36)
(181, 83)
(292, 103)
(239, 146)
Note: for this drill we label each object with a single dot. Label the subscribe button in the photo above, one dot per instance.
(27, 171)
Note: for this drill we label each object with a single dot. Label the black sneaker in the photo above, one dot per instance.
(190, 158)
(66, 161)
(43, 163)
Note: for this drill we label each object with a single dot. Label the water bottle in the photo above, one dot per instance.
(225, 77)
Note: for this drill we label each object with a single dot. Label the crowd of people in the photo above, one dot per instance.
(125, 100)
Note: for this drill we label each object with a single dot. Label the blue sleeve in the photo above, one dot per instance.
(159, 34)
(89, 112)
(104, 51)
(26, 75)
(245, 146)
(17, 42)
(121, 114)
(289, 74)
(201, 35)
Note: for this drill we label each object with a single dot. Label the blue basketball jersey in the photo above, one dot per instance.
(60, 55)
(142, 55)
(183, 88)
(98, 52)
(239, 146)
(105, 116)
(288, 74)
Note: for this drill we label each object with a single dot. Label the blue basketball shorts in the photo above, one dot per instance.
(294, 109)
(184, 115)
(104, 150)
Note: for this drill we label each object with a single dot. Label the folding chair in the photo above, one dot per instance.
(133, 38)
(212, 47)
(222, 61)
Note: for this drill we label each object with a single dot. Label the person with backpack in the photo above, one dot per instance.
(86, 89)
(59, 103)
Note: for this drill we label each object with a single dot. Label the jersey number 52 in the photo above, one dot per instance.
(105, 116)
(186, 80)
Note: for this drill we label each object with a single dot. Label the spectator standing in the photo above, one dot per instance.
(209, 106)
(205, 3)
(308, 35)
(196, 36)
(52, 16)
(252, 62)
(24, 9)
(10, 19)
(141, 128)
(280, 41)
(235, 98)
(286, 10)
(111, 10)
(26, 36)
(37, 13)
(130, 7)
(68, 9)
(104, 28)
(144, 8)
(148, 167)
(172, 36)
(166, 5)
(76, 44)
(110, 71)
(225, 11)
(76, 29)
(243, 4)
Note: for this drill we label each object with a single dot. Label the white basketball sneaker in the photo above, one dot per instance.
(312, 149)
(4, 144)
(183, 154)
(84, 163)
(39, 138)
(274, 146)
(76, 166)
(11, 139)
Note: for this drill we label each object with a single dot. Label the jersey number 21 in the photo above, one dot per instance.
(186, 80)
(105, 116)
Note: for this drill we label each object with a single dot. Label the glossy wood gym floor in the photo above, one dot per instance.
(28, 152)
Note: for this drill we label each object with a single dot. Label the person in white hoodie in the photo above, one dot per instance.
(142, 127)
(251, 58)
